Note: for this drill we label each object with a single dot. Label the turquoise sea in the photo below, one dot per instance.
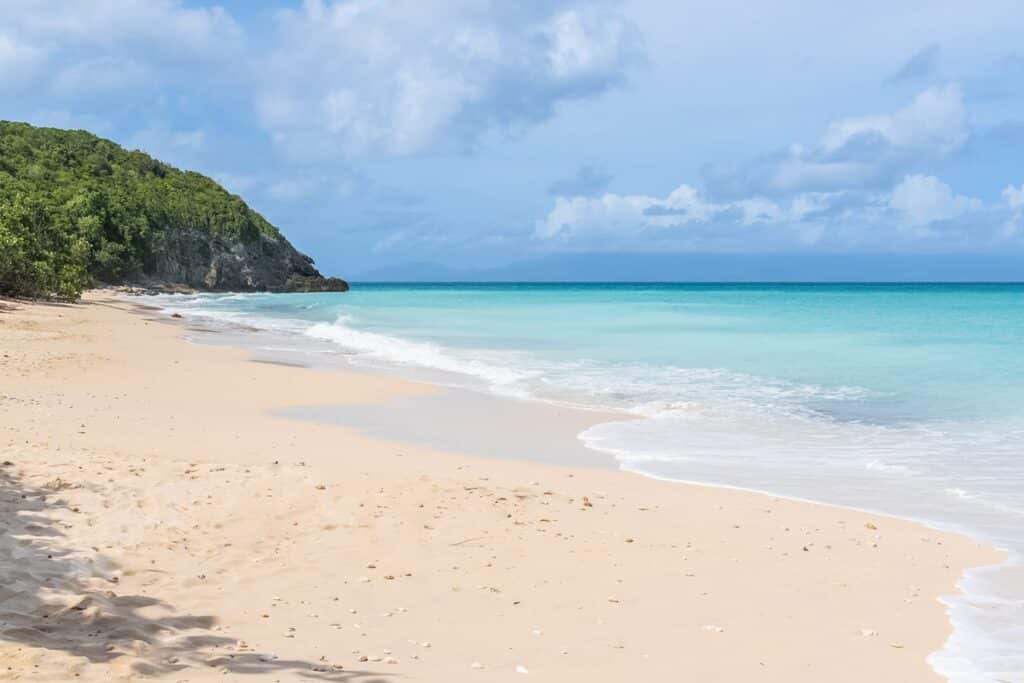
(903, 399)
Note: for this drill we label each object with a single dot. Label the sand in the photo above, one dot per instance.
(164, 516)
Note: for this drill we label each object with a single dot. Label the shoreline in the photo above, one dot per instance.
(649, 635)
(590, 415)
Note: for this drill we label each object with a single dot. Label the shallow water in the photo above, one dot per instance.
(906, 399)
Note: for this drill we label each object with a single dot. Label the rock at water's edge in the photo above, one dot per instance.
(314, 283)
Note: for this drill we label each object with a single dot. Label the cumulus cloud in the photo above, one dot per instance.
(166, 25)
(926, 199)
(857, 152)
(919, 212)
(685, 216)
(934, 123)
(108, 44)
(395, 76)
(1014, 225)
(1014, 196)
(852, 189)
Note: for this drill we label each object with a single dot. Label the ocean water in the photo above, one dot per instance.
(902, 399)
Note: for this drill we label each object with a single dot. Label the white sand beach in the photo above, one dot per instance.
(163, 519)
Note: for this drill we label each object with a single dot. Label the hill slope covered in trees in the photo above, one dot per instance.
(77, 210)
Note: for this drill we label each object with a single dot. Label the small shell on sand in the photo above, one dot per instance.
(476, 665)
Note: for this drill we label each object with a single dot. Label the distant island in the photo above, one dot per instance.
(77, 211)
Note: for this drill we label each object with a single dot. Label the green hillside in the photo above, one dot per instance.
(76, 209)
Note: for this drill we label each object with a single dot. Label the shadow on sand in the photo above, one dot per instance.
(51, 598)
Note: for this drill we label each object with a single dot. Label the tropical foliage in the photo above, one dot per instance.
(75, 209)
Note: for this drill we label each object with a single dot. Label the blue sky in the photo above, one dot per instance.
(473, 133)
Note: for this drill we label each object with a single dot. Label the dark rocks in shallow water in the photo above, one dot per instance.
(313, 283)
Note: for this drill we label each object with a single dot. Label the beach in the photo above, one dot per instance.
(168, 515)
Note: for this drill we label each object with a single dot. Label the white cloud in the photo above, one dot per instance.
(586, 43)
(842, 193)
(398, 75)
(685, 213)
(151, 24)
(1014, 196)
(1014, 225)
(108, 44)
(934, 124)
(920, 211)
(858, 152)
(925, 199)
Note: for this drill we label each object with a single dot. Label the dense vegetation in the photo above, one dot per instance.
(75, 209)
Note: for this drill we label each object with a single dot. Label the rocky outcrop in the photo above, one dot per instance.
(314, 283)
(207, 262)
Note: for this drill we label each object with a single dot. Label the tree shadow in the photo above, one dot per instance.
(10, 303)
(53, 598)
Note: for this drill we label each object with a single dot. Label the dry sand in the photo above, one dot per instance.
(158, 520)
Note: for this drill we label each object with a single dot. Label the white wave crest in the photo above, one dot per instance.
(395, 350)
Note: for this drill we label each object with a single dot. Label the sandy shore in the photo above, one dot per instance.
(161, 517)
